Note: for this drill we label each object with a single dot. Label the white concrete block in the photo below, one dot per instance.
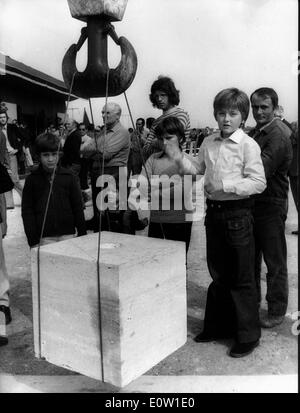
(139, 320)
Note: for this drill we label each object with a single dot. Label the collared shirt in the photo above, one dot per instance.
(233, 162)
(276, 154)
(115, 145)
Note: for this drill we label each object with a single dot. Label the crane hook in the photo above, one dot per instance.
(92, 81)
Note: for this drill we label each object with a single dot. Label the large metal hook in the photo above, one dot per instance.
(92, 82)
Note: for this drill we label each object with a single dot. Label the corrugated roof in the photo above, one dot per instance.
(13, 67)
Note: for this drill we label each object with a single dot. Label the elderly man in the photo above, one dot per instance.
(112, 147)
(270, 210)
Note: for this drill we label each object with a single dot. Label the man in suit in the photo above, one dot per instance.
(71, 149)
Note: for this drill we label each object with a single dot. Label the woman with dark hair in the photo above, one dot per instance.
(164, 96)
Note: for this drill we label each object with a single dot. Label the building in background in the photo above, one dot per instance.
(31, 96)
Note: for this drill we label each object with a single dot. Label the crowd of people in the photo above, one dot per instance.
(246, 184)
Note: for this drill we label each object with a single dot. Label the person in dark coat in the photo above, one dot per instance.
(64, 216)
(71, 158)
(270, 207)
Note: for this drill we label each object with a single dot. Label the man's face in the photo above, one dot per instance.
(139, 125)
(82, 130)
(263, 110)
(3, 119)
(110, 115)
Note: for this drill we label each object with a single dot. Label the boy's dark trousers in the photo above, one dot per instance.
(172, 231)
(232, 303)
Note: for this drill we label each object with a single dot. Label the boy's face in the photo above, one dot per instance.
(229, 120)
(48, 160)
(263, 110)
(168, 139)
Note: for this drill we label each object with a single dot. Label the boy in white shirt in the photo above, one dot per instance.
(233, 170)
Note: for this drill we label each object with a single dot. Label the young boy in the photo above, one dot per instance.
(65, 211)
(233, 170)
(171, 207)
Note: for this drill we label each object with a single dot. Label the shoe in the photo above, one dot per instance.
(205, 337)
(271, 321)
(6, 311)
(243, 349)
(3, 341)
(295, 232)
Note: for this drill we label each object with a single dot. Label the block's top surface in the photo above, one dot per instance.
(115, 248)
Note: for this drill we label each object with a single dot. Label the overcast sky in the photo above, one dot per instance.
(204, 45)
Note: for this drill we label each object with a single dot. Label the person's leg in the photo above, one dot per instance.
(83, 174)
(5, 314)
(219, 319)
(3, 214)
(95, 191)
(155, 230)
(178, 232)
(231, 307)
(270, 224)
(294, 188)
(15, 175)
(4, 282)
(239, 267)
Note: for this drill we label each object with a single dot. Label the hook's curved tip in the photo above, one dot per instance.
(92, 82)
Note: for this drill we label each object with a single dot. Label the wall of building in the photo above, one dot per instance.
(36, 105)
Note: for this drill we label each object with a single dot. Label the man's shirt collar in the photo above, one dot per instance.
(266, 125)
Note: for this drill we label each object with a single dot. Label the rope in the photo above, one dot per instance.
(99, 236)
(43, 227)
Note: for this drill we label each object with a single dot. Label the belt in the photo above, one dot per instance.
(225, 205)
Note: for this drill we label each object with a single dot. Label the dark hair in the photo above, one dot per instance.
(266, 92)
(47, 142)
(165, 84)
(149, 122)
(232, 98)
(173, 126)
(141, 119)
(4, 111)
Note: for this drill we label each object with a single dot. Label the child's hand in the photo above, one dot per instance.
(211, 190)
(172, 150)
